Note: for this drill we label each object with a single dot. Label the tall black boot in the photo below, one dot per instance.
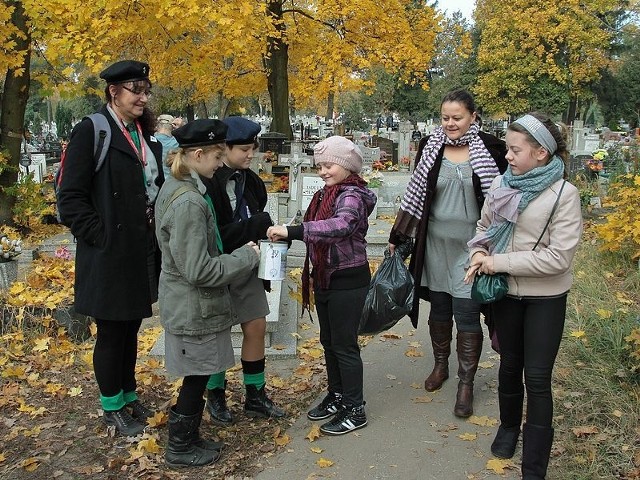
(469, 346)
(217, 406)
(504, 445)
(203, 443)
(536, 450)
(182, 450)
(440, 333)
(257, 404)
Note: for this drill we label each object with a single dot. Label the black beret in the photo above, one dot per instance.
(200, 132)
(125, 71)
(241, 131)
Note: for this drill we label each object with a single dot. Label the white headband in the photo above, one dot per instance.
(538, 131)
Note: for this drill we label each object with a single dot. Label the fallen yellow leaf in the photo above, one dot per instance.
(313, 433)
(577, 333)
(483, 421)
(412, 352)
(283, 440)
(468, 436)
(486, 364)
(316, 450)
(75, 391)
(148, 445)
(498, 465)
(324, 463)
(424, 399)
(602, 313)
(158, 418)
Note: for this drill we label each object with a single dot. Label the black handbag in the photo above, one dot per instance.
(491, 288)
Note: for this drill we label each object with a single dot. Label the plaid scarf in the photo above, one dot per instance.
(322, 207)
(482, 164)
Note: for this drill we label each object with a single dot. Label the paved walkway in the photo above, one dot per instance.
(412, 434)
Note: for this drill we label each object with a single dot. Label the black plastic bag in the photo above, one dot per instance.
(390, 295)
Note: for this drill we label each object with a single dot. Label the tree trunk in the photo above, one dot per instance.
(14, 103)
(330, 102)
(201, 110)
(571, 112)
(277, 62)
(190, 113)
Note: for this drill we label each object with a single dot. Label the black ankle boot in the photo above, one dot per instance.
(536, 450)
(139, 411)
(257, 404)
(123, 421)
(504, 445)
(217, 407)
(182, 449)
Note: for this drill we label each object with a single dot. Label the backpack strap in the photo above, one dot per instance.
(179, 191)
(101, 138)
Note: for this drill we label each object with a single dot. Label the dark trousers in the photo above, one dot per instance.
(191, 392)
(115, 355)
(465, 311)
(529, 331)
(339, 314)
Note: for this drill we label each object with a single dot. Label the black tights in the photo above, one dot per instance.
(529, 331)
(190, 397)
(115, 355)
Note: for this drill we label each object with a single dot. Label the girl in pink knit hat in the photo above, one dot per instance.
(334, 229)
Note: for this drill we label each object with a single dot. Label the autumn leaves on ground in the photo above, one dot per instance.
(50, 425)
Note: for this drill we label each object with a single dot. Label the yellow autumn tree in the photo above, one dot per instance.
(523, 41)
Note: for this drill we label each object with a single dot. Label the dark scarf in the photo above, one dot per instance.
(322, 207)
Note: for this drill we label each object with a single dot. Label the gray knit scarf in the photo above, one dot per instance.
(510, 199)
(481, 161)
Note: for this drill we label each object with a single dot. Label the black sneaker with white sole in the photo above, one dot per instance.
(346, 420)
(328, 407)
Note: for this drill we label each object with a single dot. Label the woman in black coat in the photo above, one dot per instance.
(110, 212)
(454, 169)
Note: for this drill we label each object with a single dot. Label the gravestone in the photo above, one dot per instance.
(310, 183)
(370, 155)
(388, 146)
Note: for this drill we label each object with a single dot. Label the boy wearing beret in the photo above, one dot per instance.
(239, 197)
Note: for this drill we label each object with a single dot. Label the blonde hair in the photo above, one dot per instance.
(177, 159)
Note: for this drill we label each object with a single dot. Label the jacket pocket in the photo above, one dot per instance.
(214, 302)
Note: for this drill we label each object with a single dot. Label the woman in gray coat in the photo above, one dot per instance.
(195, 305)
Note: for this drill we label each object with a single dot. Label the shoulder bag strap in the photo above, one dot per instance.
(553, 210)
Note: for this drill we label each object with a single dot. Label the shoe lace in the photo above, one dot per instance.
(125, 417)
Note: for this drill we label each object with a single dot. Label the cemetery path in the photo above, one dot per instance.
(412, 434)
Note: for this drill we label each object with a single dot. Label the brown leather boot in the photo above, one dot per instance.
(469, 349)
(440, 333)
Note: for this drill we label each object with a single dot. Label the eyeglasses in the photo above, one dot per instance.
(138, 91)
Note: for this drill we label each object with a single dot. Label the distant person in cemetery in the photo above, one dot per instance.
(529, 321)
(455, 166)
(164, 129)
(196, 308)
(111, 214)
(334, 229)
(178, 122)
(240, 196)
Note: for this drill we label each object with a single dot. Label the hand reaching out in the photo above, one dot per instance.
(277, 232)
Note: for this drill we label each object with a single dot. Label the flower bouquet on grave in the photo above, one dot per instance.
(9, 249)
(270, 157)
